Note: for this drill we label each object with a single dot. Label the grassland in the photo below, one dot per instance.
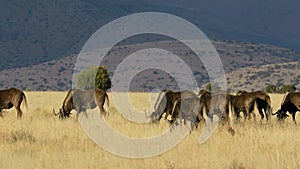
(40, 140)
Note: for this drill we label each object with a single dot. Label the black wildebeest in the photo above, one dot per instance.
(12, 97)
(216, 103)
(165, 102)
(220, 107)
(186, 109)
(80, 100)
(245, 101)
(291, 104)
(263, 102)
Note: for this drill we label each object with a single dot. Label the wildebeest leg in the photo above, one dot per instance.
(227, 123)
(246, 116)
(19, 112)
(248, 112)
(177, 117)
(294, 117)
(236, 112)
(196, 123)
(209, 115)
(78, 111)
(102, 111)
(100, 101)
(76, 116)
(200, 113)
(244, 113)
(165, 115)
(260, 110)
(84, 112)
(225, 115)
(268, 111)
(173, 117)
(182, 119)
(153, 117)
(160, 111)
(251, 111)
(216, 112)
(17, 104)
(254, 116)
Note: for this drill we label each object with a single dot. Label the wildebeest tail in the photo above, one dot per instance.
(24, 100)
(268, 107)
(231, 105)
(107, 102)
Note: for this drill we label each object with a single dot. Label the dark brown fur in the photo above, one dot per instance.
(290, 104)
(166, 104)
(219, 107)
(12, 97)
(80, 100)
(186, 109)
(263, 102)
(243, 102)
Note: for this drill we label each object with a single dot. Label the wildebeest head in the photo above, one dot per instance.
(61, 113)
(281, 115)
(159, 107)
(65, 110)
(201, 92)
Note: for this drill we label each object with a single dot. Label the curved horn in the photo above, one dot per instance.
(55, 113)
(274, 113)
(146, 114)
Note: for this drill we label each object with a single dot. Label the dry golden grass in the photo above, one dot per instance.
(40, 140)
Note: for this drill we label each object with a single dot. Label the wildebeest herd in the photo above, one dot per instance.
(176, 107)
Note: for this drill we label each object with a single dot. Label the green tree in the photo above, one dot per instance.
(212, 87)
(271, 89)
(287, 88)
(93, 77)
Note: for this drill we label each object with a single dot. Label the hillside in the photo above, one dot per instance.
(257, 78)
(57, 74)
(33, 32)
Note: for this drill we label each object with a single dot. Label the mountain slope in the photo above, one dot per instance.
(57, 74)
(32, 32)
(258, 78)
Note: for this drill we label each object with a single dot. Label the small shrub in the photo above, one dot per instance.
(94, 77)
(212, 87)
(271, 89)
(287, 88)
(21, 135)
(236, 165)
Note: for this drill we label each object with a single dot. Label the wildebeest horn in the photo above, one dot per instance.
(147, 115)
(274, 113)
(55, 113)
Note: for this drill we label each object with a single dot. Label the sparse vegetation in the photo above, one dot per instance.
(271, 89)
(282, 89)
(212, 87)
(259, 78)
(234, 65)
(41, 140)
(94, 77)
(287, 88)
